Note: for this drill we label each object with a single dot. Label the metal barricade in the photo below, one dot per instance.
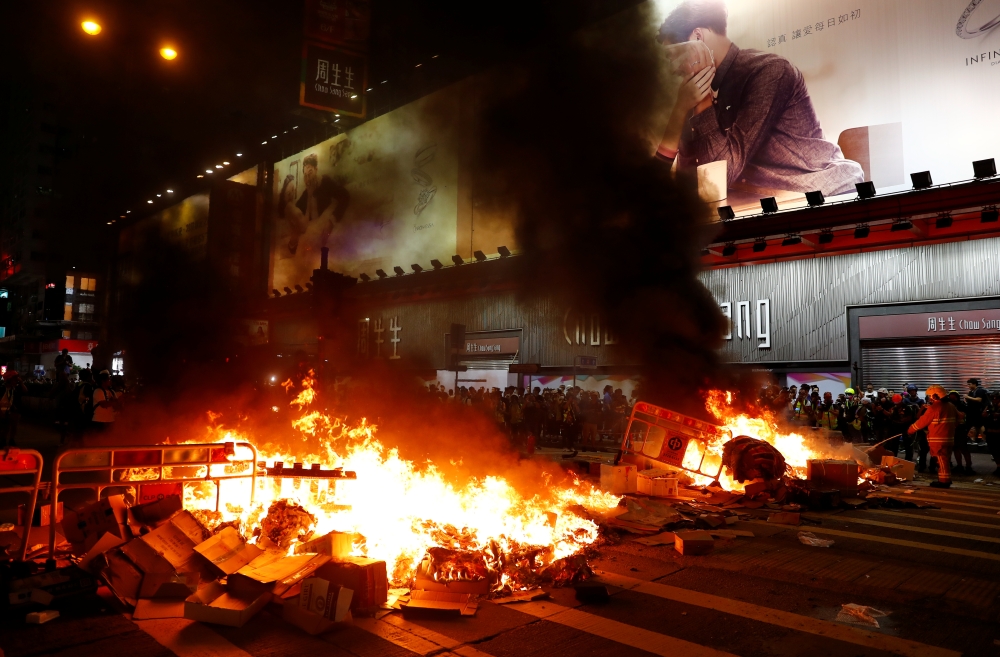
(23, 463)
(97, 468)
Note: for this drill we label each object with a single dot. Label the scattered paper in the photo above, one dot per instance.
(522, 596)
(860, 615)
(666, 538)
(808, 538)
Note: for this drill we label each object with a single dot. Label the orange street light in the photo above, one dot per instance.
(168, 53)
(91, 28)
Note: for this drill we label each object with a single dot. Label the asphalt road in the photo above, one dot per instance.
(935, 572)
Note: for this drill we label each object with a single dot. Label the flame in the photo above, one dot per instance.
(399, 510)
(797, 447)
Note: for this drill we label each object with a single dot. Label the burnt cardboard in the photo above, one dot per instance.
(151, 515)
(106, 516)
(169, 547)
(173, 584)
(693, 543)
(216, 604)
(227, 551)
(438, 604)
(618, 479)
(476, 587)
(334, 544)
(902, 468)
(104, 543)
(833, 473)
(159, 608)
(292, 612)
(122, 576)
(278, 572)
(366, 577)
(324, 599)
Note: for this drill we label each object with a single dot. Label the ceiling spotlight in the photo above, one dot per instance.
(399, 270)
(354, 97)
(989, 215)
(218, 166)
(984, 168)
(921, 180)
(416, 268)
(90, 27)
(480, 256)
(826, 236)
(295, 127)
(769, 205)
(436, 264)
(861, 232)
(865, 189)
(944, 220)
(901, 224)
(150, 202)
(225, 164)
(168, 53)
(759, 245)
(208, 171)
(729, 250)
(109, 223)
(457, 259)
(276, 293)
(170, 191)
(159, 196)
(503, 251)
(815, 198)
(274, 136)
(128, 212)
(336, 120)
(263, 143)
(200, 175)
(364, 277)
(791, 240)
(381, 273)
(239, 155)
(367, 89)
(726, 212)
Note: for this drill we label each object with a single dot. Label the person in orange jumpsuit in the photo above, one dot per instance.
(940, 420)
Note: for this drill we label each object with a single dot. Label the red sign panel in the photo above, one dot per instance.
(75, 346)
(333, 80)
(340, 22)
(930, 325)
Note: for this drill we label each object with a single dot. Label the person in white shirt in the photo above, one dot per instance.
(106, 402)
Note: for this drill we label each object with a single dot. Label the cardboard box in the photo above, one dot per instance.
(334, 544)
(122, 576)
(833, 473)
(902, 468)
(437, 604)
(618, 479)
(278, 572)
(657, 483)
(820, 499)
(159, 608)
(293, 613)
(477, 586)
(324, 599)
(106, 516)
(366, 577)
(217, 604)
(693, 543)
(169, 547)
(104, 543)
(227, 551)
(151, 515)
(43, 513)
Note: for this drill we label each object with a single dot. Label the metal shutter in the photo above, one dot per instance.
(948, 362)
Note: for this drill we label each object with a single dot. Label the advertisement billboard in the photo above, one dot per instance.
(825, 94)
(384, 194)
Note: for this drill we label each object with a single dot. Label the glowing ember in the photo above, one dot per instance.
(402, 512)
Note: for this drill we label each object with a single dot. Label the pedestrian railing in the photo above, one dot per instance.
(21, 472)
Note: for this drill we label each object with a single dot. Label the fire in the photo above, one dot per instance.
(797, 448)
(399, 510)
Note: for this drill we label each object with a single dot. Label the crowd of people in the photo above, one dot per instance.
(897, 422)
(570, 416)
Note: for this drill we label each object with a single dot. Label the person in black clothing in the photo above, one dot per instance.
(975, 403)
(990, 417)
(961, 447)
(899, 417)
(324, 199)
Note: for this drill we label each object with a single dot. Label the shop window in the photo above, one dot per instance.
(69, 284)
(67, 334)
(68, 312)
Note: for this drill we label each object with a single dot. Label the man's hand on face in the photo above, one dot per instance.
(695, 92)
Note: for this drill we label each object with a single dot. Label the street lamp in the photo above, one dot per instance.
(91, 28)
(168, 53)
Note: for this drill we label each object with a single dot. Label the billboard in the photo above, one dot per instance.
(824, 94)
(384, 194)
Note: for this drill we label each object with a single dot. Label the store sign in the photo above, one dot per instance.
(928, 325)
(341, 22)
(742, 321)
(333, 80)
(491, 346)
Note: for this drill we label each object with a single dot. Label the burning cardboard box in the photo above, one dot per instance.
(276, 572)
(836, 474)
(366, 577)
(319, 607)
(618, 479)
(902, 468)
(85, 527)
(657, 483)
(171, 567)
(334, 544)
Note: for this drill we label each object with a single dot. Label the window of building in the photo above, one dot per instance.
(87, 308)
(66, 334)
(69, 284)
(68, 312)
(88, 284)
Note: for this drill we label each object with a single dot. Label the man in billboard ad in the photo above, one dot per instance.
(747, 108)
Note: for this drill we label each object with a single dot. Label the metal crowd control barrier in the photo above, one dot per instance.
(97, 468)
(23, 463)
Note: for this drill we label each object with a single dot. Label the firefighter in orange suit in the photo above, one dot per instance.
(940, 420)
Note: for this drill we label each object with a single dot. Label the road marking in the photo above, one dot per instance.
(922, 530)
(629, 635)
(939, 500)
(786, 619)
(415, 638)
(884, 539)
(995, 516)
(952, 521)
(188, 638)
(944, 496)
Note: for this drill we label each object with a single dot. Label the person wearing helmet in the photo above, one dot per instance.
(940, 421)
(847, 416)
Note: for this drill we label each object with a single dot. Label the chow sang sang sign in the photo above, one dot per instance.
(740, 324)
(930, 325)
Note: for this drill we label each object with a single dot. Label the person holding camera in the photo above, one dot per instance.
(107, 403)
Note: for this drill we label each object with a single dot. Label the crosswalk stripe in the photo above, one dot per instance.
(931, 492)
(920, 530)
(964, 513)
(952, 521)
(788, 620)
(188, 638)
(629, 635)
(939, 500)
(885, 539)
